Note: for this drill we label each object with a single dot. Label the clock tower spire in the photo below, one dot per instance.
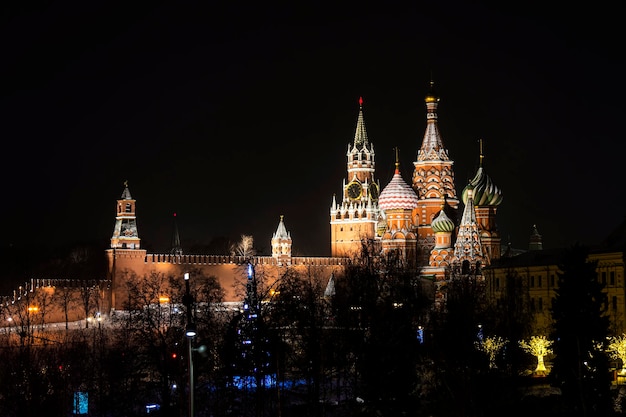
(353, 220)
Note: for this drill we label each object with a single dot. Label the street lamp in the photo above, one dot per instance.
(190, 333)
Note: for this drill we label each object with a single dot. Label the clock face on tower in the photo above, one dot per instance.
(354, 190)
(373, 190)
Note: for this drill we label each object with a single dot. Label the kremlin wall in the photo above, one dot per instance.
(435, 232)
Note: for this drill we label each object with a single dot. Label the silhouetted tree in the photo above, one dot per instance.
(381, 304)
(511, 318)
(456, 328)
(579, 310)
(296, 316)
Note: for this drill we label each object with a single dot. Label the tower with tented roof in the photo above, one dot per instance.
(125, 253)
(125, 235)
(433, 180)
(354, 216)
(469, 256)
(281, 244)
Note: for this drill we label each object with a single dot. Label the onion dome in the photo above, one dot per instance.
(442, 223)
(486, 193)
(397, 194)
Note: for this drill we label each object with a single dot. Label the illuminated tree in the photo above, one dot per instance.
(538, 346)
(245, 247)
(617, 349)
(491, 345)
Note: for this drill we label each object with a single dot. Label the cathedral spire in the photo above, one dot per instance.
(432, 144)
(433, 178)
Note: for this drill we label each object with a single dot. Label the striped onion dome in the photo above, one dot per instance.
(397, 194)
(486, 193)
(442, 223)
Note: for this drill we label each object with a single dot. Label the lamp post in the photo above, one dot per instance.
(190, 333)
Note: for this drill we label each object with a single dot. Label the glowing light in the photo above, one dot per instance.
(360, 101)
(491, 345)
(33, 309)
(616, 349)
(164, 299)
(538, 346)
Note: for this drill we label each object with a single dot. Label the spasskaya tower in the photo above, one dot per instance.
(354, 217)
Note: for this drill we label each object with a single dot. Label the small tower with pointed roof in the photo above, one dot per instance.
(536, 242)
(281, 244)
(125, 253)
(438, 269)
(433, 179)
(176, 248)
(397, 201)
(354, 216)
(125, 234)
(469, 256)
(443, 228)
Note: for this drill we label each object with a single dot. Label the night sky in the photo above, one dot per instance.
(232, 115)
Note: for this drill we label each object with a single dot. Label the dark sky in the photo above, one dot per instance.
(232, 115)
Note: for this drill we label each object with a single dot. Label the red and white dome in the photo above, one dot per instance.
(397, 195)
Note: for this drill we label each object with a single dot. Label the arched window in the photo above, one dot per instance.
(465, 267)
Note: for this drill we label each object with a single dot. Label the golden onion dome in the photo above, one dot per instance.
(431, 96)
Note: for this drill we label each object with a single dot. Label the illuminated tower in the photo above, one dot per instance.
(469, 256)
(487, 198)
(125, 253)
(281, 244)
(353, 219)
(396, 202)
(440, 256)
(125, 234)
(433, 180)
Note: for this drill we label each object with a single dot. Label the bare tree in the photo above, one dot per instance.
(245, 247)
(67, 298)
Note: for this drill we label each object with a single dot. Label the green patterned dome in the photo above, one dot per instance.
(442, 223)
(486, 193)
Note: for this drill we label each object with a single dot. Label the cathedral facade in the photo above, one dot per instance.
(417, 221)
